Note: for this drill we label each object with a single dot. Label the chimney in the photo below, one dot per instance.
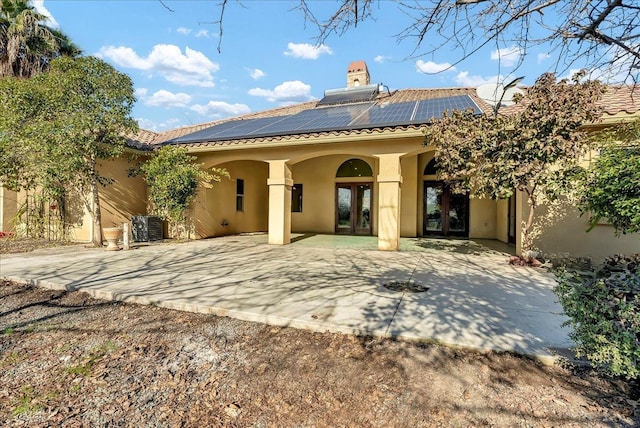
(357, 74)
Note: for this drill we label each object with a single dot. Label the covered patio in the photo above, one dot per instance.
(467, 295)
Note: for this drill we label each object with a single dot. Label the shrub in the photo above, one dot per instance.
(604, 310)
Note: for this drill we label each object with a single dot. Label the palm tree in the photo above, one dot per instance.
(27, 45)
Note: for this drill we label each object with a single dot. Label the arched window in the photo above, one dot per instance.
(354, 168)
(431, 168)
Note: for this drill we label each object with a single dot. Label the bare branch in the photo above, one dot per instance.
(222, 6)
(165, 6)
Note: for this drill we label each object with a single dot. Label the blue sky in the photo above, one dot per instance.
(268, 59)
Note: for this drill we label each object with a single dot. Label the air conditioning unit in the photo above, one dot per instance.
(146, 228)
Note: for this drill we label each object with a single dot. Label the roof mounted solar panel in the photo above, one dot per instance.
(205, 133)
(435, 108)
(387, 114)
(358, 94)
(333, 118)
(232, 129)
(315, 120)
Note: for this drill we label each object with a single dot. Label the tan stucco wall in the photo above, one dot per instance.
(409, 206)
(318, 179)
(126, 196)
(8, 209)
(502, 220)
(482, 218)
(565, 234)
(217, 205)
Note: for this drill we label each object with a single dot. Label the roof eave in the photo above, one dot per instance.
(309, 139)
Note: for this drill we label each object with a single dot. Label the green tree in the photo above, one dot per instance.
(27, 45)
(612, 187)
(59, 125)
(533, 151)
(173, 179)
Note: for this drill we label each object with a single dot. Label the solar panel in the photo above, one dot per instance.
(247, 126)
(387, 114)
(349, 95)
(315, 120)
(205, 133)
(231, 129)
(435, 108)
(339, 117)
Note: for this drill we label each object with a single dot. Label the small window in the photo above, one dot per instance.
(431, 168)
(354, 168)
(296, 198)
(239, 194)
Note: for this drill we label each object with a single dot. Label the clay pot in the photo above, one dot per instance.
(112, 235)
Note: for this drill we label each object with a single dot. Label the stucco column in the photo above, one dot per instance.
(389, 183)
(280, 184)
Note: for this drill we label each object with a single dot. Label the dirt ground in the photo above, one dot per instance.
(69, 360)
(9, 244)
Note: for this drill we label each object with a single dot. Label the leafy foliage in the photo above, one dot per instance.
(173, 179)
(604, 310)
(27, 46)
(57, 126)
(532, 151)
(612, 189)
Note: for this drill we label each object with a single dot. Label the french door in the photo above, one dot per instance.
(353, 208)
(445, 213)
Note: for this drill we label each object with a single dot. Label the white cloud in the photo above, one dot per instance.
(167, 99)
(220, 108)
(192, 68)
(256, 73)
(157, 127)
(202, 33)
(292, 91)
(542, 56)
(432, 67)
(307, 51)
(141, 92)
(381, 58)
(507, 56)
(463, 79)
(184, 30)
(39, 7)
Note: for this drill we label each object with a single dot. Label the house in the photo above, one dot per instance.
(351, 163)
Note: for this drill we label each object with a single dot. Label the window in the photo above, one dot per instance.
(354, 168)
(296, 198)
(431, 168)
(239, 194)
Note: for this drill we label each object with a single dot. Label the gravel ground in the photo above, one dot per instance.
(69, 360)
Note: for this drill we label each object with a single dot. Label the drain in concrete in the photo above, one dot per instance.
(406, 286)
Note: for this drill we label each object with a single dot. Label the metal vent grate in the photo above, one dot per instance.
(146, 228)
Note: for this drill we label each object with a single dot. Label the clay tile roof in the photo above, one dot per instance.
(621, 99)
(617, 99)
(357, 66)
(143, 139)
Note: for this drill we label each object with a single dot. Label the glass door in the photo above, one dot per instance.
(433, 208)
(445, 213)
(353, 208)
(344, 208)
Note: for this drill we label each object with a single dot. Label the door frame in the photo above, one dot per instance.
(353, 230)
(512, 223)
(444, 213)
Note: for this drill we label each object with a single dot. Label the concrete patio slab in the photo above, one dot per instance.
(324, 283)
